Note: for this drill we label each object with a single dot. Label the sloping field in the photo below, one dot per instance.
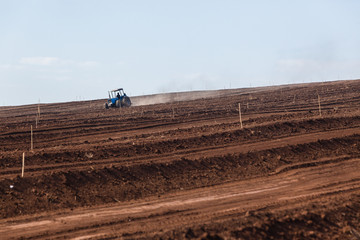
(179, 166)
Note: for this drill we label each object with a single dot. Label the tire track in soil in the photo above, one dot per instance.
(193, 207)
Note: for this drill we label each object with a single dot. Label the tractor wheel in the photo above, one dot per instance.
(117, 104)
(106, 105)
(126, 102)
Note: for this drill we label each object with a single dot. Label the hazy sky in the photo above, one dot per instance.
(66, 50)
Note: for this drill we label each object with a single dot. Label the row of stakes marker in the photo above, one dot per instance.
(23, 165)
(31, 140)
(37, 118)
(31, 134)
(31, 149)
(319, 104)
(31, 143)
(38, 115)
(241, 124)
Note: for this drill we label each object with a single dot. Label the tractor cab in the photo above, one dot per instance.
(118, 98)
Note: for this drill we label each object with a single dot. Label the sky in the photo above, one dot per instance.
(71, 50)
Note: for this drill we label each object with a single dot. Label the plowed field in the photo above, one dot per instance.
(179, 166)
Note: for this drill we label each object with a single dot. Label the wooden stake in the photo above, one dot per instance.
(23, 165)
(319, 104)
(31, 145)
(240, 116)
(173, 113)
(39, 111)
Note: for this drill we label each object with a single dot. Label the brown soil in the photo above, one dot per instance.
(185, 169)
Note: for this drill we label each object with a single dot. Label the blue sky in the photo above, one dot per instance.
(66, 50)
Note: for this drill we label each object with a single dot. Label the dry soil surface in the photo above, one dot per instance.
(183, 168)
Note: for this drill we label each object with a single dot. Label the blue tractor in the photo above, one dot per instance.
(117, 98)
